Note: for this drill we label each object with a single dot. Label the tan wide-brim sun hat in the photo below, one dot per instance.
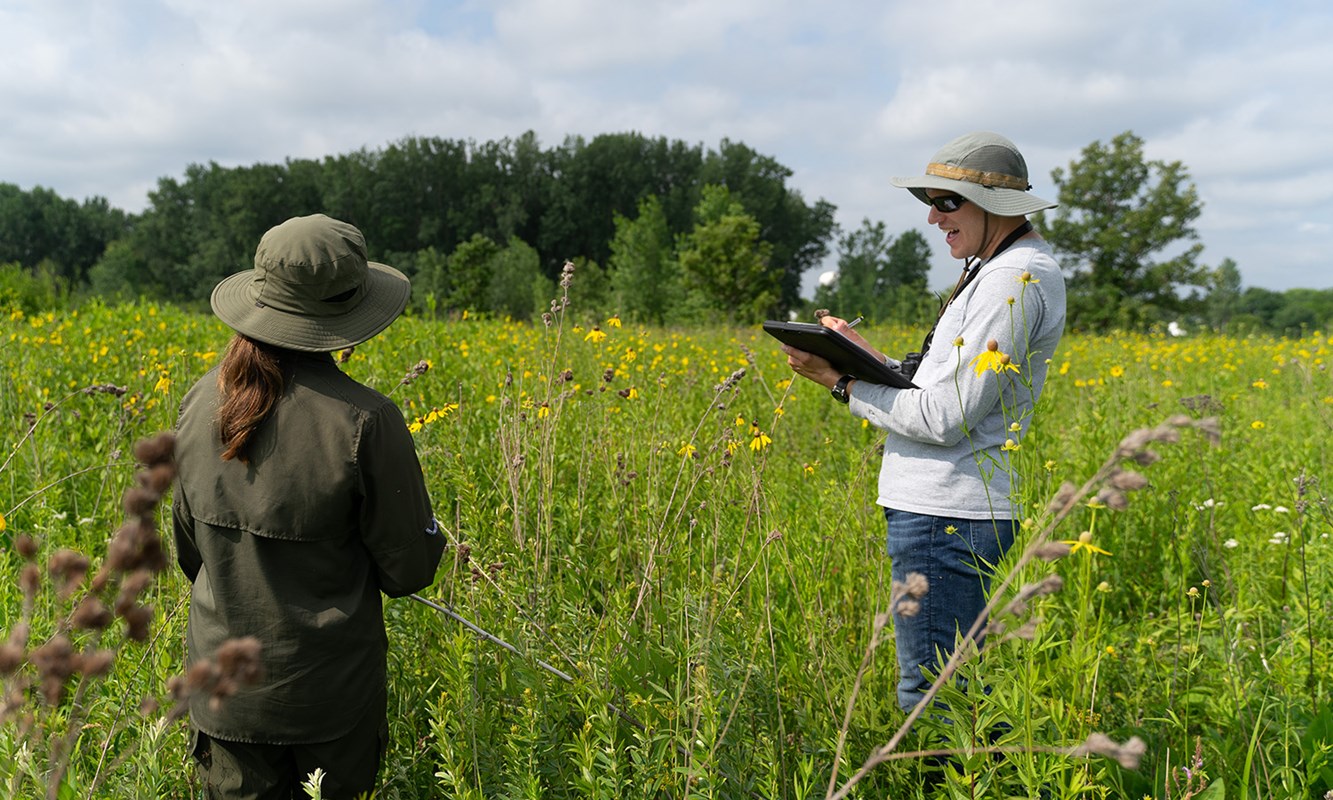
(984, 167)
(312, 288)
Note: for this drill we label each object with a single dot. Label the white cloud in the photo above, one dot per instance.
(106, 97)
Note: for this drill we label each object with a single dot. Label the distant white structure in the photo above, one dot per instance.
(827, 278)
(1174, 328)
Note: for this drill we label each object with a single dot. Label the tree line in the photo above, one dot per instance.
(661, 231)
(665, 228)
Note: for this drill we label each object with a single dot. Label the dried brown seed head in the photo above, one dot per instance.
(67, 569)
(26, 546)
(97, 663)
(30, 580)
(155, 449)
(1051, 551)
(91, 614)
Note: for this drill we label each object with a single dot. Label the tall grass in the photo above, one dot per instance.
(670, 521)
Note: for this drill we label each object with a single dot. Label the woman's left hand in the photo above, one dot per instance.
(811, 366)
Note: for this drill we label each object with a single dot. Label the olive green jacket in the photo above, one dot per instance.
(295, 547)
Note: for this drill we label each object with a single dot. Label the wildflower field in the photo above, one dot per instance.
(680, 544)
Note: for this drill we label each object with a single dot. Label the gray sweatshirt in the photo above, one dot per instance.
(943, 455)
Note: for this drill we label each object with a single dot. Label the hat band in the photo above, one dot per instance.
(993, 179)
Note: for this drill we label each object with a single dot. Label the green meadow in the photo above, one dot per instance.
(682, 549)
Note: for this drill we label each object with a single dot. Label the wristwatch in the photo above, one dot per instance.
(839, 390)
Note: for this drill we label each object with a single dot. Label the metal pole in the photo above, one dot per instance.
(487, 635)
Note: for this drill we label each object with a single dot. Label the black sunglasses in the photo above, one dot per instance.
(947, 203)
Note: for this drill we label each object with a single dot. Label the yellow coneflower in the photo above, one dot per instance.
(992, 359)
(1084, 542)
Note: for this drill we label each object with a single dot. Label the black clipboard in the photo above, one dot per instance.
(845, 355)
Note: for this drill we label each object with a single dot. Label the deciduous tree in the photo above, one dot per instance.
(724, 263)
(1120, 217)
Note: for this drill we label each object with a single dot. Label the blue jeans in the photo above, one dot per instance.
(957, 556)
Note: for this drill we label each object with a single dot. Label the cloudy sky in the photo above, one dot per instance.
(103, 97)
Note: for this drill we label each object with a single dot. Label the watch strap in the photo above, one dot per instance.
(839, 390)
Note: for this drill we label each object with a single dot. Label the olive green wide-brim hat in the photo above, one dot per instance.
(312, 289)
(987, 169)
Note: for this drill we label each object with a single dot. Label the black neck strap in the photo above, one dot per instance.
(970, 271)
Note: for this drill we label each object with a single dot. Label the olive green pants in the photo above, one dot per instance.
(244, 771)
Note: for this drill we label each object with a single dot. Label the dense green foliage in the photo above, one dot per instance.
(626, 208)
(423, 198)
(880, 277)
(700, 550)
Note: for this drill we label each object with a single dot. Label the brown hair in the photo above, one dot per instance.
(251, 379)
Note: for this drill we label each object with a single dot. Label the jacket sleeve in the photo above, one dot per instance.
(397, 525)
(182, 523)
(956, 398)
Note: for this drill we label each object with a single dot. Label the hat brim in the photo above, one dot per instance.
(1002, 202)
(387, 291)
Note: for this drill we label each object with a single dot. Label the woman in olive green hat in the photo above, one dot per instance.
(299, 501)
(945, 481)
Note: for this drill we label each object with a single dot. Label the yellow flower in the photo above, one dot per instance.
(740, 420)
(1010, 445)
(686, 450)
(992, 359)
(163, 384)
(760, 441)
(595, 335)
(1260, 384)
(543, 411)
(1117, 371)
(809, 470)
(1084, 542)
(1258, 425)
(613, 321)
(2, 523)
(1027, 278)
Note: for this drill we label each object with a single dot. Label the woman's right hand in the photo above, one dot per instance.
(840, 325)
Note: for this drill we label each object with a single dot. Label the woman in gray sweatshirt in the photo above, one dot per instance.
(946, 484)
